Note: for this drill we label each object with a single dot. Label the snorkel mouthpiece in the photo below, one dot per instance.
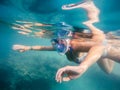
(60, 48)
(61, 45)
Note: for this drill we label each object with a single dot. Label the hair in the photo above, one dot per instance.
(79, 32)
(78, 29)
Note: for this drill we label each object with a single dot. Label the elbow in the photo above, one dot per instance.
(106, 70)
(109, 71)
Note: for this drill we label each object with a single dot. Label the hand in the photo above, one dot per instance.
(69, 72)
(21, 48)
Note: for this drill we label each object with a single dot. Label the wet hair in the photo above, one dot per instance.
(79, 32)
(78, 29)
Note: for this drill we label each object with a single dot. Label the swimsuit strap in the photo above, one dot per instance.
(105, 51)
(81, 58)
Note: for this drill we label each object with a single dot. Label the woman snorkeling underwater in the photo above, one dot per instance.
(97, 47)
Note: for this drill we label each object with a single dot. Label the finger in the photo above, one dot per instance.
(56, 77)
(66, 79)
(59, 75)
(21, 50)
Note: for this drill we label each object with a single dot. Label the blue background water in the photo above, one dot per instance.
(36, 70)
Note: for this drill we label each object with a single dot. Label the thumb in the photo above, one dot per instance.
(21, 50)
(66, 79)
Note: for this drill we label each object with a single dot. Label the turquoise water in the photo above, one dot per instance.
(36, 70)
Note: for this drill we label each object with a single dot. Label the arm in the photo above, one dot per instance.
(93, 16)
(93, 29)
(22, 48)
(73, 72)
(106, 65)
(92, 57)
(94, 53)
(92, 11)
(42, 48)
